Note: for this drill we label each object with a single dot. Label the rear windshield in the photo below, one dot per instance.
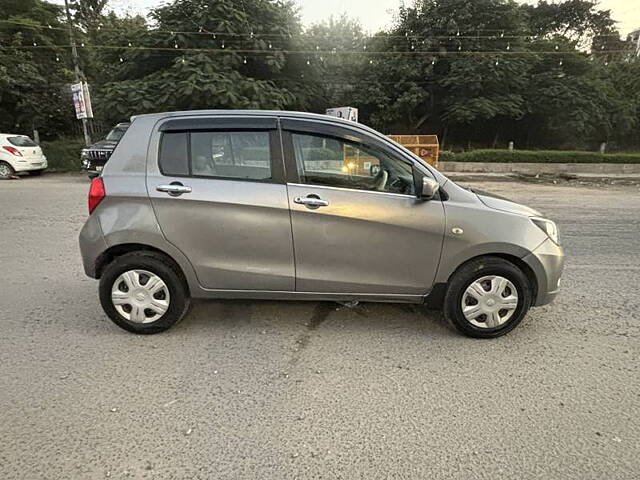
(22, 142)
(116, 134)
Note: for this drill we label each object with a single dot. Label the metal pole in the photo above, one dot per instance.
(76, 68)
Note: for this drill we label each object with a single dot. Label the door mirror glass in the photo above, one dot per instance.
(428, 188)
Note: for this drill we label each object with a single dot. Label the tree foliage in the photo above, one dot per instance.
(475, 72)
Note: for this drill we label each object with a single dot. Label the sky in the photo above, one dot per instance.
(378, 14)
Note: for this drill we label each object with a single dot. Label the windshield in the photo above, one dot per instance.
(22, 141)
(116, 134)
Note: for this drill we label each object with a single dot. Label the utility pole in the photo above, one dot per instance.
(76, 68)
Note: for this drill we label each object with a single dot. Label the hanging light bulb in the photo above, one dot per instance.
(459, 46)
(214, 36)
(175, 45)
(35, 44)
(560, 62)
(49, 25)
(183, 60)
(222, 44)
(308, 62)
(57, 58)
(251, 34)
(370, 61)
(508, 46)
(270, 46)
(129, 43)
(557, 47)
(121, 60)
(245, 60)
(365, 46)
(200, 30)
(458, 33)
(497, 62)
(502, 34)
(413, 47)
(317, 47)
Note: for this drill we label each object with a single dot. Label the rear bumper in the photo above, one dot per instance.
(30, 164)
(547, 263)
(92, 244)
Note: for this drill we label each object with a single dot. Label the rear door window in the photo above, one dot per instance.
(242, 155)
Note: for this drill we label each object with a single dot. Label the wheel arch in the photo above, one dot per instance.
(111, 253)
(435, 298)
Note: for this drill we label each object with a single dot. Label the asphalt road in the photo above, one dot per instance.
(269, 390)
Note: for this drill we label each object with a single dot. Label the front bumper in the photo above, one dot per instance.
(547, 263)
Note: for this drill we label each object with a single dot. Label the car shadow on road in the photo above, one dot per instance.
(293, 316)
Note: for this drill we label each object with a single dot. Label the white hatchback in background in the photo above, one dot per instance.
(18, 153)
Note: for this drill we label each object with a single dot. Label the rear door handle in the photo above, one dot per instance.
(175, 189)
(311, 202)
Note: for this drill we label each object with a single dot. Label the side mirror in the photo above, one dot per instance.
(428, 188)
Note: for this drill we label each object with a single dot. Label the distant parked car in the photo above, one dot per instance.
(274, 205)
(18, 153)
(95, 156)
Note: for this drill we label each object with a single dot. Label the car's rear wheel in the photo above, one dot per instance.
(36, 173)
(143, 292)
(487, 297)
(6, 171)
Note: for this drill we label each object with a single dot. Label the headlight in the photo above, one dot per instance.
(548, 227)
(84, 153)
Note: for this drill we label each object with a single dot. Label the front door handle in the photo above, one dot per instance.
(175, 189)
(311, 202)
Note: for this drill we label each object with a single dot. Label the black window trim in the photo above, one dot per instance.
(275, 151)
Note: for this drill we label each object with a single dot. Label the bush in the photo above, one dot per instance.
(63, 155)
(538, 156)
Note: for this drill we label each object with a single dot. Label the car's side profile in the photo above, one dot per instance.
(285, 205)
(18, 153)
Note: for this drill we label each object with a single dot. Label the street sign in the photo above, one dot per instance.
(348, 113)
(81, 100)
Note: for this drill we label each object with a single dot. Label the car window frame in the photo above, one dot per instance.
(337, 132)
(225, 124)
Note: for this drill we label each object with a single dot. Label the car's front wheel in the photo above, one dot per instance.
(488, 297)
(143, 292)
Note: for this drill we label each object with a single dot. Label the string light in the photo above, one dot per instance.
(560, 62)
(245, 60)
(508, 46)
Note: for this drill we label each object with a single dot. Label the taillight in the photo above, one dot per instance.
(96, 193)
(13, 151)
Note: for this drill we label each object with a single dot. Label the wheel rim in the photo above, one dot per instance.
(490, 301)
(140, 296)
(5, 171)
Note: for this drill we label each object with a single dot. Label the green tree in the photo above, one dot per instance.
(220, 69)
(33, 81)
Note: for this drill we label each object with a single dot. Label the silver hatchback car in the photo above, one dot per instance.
(297, 206)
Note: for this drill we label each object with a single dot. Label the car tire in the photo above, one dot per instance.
(6, 171)
(147, 266)
(36, 173)
(491, 274)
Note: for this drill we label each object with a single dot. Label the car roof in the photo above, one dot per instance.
(280, 113)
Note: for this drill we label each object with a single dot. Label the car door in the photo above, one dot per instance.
(357, 224)
(217, 188)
